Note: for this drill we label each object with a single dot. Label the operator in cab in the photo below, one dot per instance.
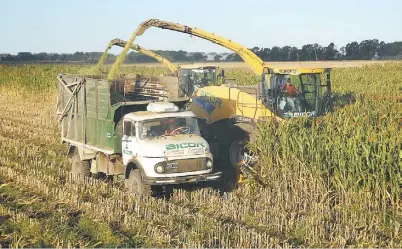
(205, 80)
(289, 92)
(174, 126)
(170, 127)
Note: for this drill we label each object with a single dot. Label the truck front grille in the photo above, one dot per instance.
(185, 165)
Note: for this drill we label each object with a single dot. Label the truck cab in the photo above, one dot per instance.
(163, 146)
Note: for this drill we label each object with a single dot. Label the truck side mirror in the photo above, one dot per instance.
(127, 127)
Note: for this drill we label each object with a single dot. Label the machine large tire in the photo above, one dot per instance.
(134, 184)
(236, 151)
(79, 167)
(235, 145)
(228, 166)
(239, 135)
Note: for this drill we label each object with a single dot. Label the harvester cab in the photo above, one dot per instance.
(194, 77)
(296, 92)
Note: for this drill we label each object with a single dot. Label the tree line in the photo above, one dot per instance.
(365, 50)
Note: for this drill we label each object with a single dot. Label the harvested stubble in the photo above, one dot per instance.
(335, 183)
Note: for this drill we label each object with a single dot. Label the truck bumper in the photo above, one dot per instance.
(182, 179)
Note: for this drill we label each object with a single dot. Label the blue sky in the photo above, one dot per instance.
(88, 25)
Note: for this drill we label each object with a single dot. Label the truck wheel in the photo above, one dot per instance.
(135, 184)
(80, 167)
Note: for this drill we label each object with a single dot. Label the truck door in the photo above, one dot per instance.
(128, 140)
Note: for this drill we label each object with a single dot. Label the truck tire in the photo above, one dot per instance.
(79, 167)
(134, 184)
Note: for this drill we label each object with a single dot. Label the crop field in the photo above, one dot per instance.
(242, 65)
(328, 182)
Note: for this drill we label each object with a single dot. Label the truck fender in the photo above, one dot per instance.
(85, 153)
(70, 150)
(134, 164)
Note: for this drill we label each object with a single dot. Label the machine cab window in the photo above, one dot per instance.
(194, 78)
(293, 95)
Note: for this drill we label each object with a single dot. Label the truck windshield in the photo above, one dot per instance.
(170, 126)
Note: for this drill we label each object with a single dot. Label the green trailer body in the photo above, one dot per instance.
(90, 107)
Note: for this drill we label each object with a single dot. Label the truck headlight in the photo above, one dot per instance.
(209, 164)
(159, 168)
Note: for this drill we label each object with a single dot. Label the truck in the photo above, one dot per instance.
(119, 127)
